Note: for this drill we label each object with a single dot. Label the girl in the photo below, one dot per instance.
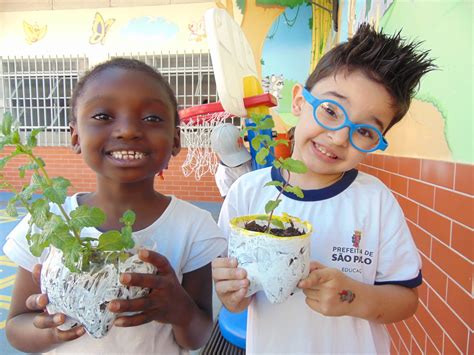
(125, 124)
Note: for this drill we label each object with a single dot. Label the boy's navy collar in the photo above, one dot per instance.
(319, 194)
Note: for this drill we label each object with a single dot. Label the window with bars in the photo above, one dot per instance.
(37, 90)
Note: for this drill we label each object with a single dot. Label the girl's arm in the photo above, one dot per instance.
(29, 328)
(332, 293)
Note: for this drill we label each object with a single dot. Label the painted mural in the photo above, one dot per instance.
(100, 29)
(34, 32)
(197, 30)
(149, 28)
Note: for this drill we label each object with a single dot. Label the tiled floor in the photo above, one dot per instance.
(8, 269)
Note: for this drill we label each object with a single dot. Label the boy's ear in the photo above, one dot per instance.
(75, 142)
(176, 142)
(298, 99)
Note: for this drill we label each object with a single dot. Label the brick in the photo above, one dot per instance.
(435, 224)
(410, 209)
(453, 264)
(404, 334)
(438, 173)
(464, 178)
(417, 332)
(434, 277)
(449, 347)
(452, 325)
(462, 239)
(399, 184)
(431, 348)
(433, 330)
(377, 160)
(456, 206)
(460, 301)
(415, 348)
(391, 164)
(423, 293)
(422, 239)
(409, 167)
(384, 177)
(421, 192)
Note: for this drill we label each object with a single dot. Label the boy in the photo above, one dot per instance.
(366, 266)
(234, 158)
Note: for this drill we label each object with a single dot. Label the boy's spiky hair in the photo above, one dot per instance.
(387, 59)
(128, 64)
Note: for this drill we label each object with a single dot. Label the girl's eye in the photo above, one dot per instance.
(153, 118)
(101, 117)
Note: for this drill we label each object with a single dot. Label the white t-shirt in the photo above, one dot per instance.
(184, 233)
(225, 175)
(360, 229)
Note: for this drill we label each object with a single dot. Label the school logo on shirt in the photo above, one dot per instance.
(352, 256)
(356, 237)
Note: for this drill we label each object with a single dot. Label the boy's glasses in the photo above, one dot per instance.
(332, 116)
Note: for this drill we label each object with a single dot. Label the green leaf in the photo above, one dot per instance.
(271, 205)
(261, 155)
(11, 208)
(7, 123)
(16, 137)
(257, 141)
(278, 223)
(56, 231)
(72, 254)
(39, 180)
(127, 239)
(40, 213)
(128, 218)
(31, 140)
(274, 183)
(57, 192)
(110, 240)
(27, 192)
(295, 166)
(277, 164)
(267, 123)
(295, 190)
(4, 161)
(282, 141)
(37, 244)
(87, 216)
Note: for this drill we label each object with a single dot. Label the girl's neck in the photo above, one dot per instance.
(311, 180)
(114, 199)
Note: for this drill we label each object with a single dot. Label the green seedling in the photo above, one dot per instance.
(263, 144)
(62, 232)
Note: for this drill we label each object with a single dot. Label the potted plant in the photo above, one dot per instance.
(274, 250)
(80, 274)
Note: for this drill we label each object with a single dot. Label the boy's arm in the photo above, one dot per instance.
(332, 293)
(26, 317)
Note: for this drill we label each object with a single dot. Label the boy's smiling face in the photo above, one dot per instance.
(125, 125)
(329, 152)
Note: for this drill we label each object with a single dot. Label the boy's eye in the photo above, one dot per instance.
(366, 133)
(101, 117)
(152, 118)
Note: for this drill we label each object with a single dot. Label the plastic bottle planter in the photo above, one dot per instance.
(83, 297)
(273, 264)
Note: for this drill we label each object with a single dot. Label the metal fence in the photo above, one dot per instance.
(37, 89)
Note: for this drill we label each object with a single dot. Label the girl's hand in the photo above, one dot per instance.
(167, 301)
(37, 303)
(328, 290)
(231, 284)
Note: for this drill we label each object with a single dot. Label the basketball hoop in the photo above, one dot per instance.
(196, 126)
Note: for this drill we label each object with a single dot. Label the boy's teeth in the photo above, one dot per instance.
(324, 151)
(127, 155)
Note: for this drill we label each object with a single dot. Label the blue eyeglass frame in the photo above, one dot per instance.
(315, 102)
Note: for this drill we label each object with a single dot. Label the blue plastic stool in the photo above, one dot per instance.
(233, 327)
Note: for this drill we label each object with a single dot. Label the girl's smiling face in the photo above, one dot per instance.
(125, 125)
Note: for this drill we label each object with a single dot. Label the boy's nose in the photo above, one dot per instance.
(128, 128)
(340, 137)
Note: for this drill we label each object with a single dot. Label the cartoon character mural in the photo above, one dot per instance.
(197, 30)
(100, 29)
(34, 32)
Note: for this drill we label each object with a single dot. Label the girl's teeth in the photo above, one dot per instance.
(127, 155)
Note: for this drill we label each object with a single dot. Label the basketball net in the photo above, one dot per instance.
(196, 137)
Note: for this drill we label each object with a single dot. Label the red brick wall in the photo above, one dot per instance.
(61, 161)
(437, 198)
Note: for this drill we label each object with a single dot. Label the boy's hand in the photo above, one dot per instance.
(231, 284)
(167, 301)
(44, 320)
(328, 290)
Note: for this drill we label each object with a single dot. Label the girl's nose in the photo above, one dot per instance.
(127, 128)
(339, 137)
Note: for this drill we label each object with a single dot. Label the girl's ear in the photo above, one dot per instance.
(176, 142)
(298, 99)
(75, 143)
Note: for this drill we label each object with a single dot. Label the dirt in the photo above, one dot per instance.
(289, 231)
